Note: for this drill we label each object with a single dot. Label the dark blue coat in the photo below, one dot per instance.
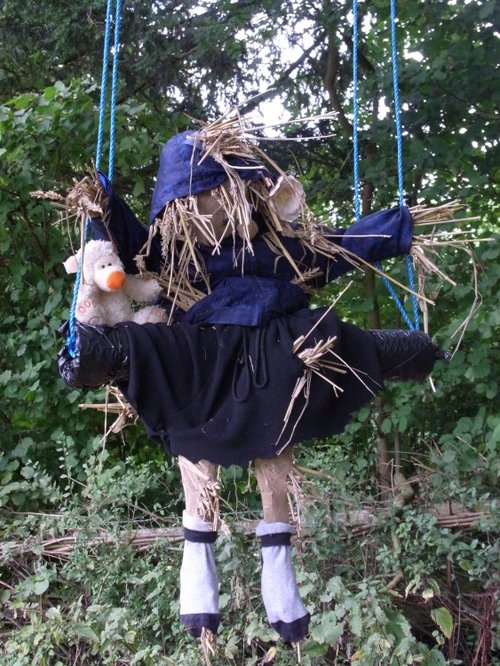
(265, 290)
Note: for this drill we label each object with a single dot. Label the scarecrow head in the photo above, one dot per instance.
(214, 183)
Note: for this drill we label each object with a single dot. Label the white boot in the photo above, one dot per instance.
(199, 598)
(284, 607)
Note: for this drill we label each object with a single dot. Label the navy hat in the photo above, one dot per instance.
(180, 173)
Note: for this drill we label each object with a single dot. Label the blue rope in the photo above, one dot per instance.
(71, 339)
(399, 141)
(357, 197)
(396, 299)
(104, 85)
(114, 86)
(397, 110)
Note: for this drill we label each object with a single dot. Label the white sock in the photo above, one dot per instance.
(199, 598)
(284, 607)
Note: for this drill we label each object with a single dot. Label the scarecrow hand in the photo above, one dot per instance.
(102, 356)
(406, 355)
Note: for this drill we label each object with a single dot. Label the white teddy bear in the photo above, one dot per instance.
(106, 291)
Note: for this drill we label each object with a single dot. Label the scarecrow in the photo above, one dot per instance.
(245, 368)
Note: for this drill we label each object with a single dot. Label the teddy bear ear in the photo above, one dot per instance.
(71, 264)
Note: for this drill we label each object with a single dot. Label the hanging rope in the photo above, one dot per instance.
(104, 85)
(114, 86)
(71, 339)
(399, 141)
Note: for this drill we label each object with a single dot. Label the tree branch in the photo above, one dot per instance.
(332, 69)
(273, 89)
(358, 523)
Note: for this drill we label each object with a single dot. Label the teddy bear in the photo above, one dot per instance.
(106, 292)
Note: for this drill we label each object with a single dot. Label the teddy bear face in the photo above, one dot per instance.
(107, 274)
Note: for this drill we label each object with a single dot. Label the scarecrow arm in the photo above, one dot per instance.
(120, 226)
(376, 237)
(379, 236)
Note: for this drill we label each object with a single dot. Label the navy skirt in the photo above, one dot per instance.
(222, 392)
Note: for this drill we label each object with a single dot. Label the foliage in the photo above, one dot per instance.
(107, 603)
(406, 592)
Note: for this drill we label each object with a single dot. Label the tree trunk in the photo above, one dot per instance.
(384, 460)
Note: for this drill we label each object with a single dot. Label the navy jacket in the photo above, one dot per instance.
(265, 289)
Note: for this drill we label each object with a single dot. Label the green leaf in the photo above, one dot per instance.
(49, 93)
(449, 456)
(139, 188)
(23, 101)
(84, 631)
(314, 649)
(28, 472)
(487, 9)
(356, 621)
(328, 630)
(22, 448)
(41, 585)
(402, 423)
(333, 632)
(435, 658)
(386, 426)
(443, 618)
(224, 599)
(334, 589)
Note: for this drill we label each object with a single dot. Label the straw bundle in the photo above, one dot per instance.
(208, 503)
(302, 492)
(86, 198)
(208, 643)
(427, 245)
(315, 363)
(318, 361)
(125, 413)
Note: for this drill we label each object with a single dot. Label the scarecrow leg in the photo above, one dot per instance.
(284, 607)
(199, 585)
